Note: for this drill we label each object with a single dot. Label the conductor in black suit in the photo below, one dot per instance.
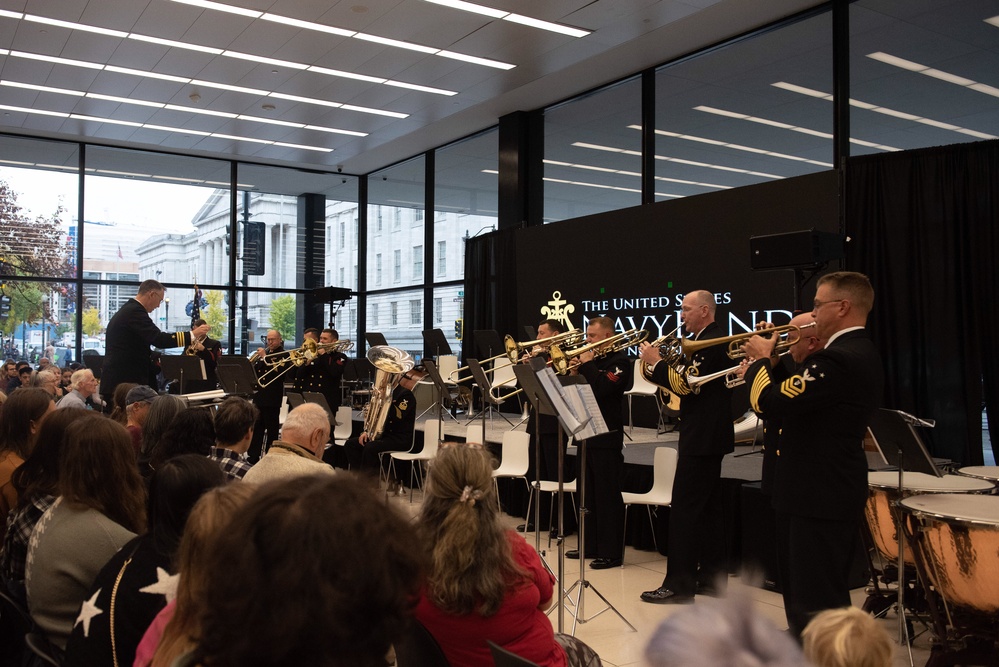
(696, 520)
(129, 335)
(268, 399)
(609, 376)
(820, 483)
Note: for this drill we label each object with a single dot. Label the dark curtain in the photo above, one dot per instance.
(490, 286)
(923, 227)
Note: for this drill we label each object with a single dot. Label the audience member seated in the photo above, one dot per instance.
(847, 637)
(49, 381)
(118, 402)
(162, 410)
(192, 431)
(138, 581)
(484, 582)
(175, 629)
(20, 418)
(137, 403)
(722, 633)
(299, 451)
(100, 507)
(234, 422)
(314, 571)
(83, 385)
(36, 482)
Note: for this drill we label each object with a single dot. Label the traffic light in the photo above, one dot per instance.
(253, 248)
(459, 328)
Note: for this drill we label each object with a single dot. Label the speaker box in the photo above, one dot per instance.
(790, 250)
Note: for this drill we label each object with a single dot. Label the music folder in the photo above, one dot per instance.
(575, 405)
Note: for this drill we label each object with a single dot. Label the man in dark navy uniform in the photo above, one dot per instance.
(209, 351)
(268, 399)
(820, 483)
(129, 335)
(696, 520)
(609, 376)
(397, 433)
(324, 373)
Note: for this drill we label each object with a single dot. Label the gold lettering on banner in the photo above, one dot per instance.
(559, 310)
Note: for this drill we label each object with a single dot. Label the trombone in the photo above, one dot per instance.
(513, 350)
(280, 363)
(561, 360)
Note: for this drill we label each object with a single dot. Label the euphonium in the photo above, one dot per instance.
(561, 360)
(390, 364)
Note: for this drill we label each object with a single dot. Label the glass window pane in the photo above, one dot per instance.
(38, 207)
(270, 310)
(592, 155)
(159, 216)
(922, 74)
(42, 323)
(451, 300)
(396, 193)
(399, 320)
(736, 115)
(465, 199)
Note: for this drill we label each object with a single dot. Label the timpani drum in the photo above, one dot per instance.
(955, 538)
(990, 473)
(883, 495)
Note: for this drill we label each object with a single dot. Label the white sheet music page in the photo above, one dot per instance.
(556, 394)
(584, 403)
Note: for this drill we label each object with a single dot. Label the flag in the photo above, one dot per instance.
(119, 252)
(196, 304)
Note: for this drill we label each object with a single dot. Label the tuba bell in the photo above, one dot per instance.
(390, 364)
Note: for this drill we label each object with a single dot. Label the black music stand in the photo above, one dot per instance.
(895, 436)
(487, 343)
(531, 332)
(94, 362)
(443, 393)
(563, 410)
(374, 338)
(435, 343)
(183, 367)
(236, 376)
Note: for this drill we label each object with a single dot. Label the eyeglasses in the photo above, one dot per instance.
(818, 304)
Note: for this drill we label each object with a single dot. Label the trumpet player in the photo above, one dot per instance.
(267, 399)
(820, 484)
(696, 519)
(609, 376)
(208, 350)
(325, 372)
(363, 453)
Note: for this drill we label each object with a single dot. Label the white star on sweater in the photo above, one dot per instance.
(87, 612)
(166, 585)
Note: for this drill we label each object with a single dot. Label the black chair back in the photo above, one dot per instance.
(418, 648)
(504, 658)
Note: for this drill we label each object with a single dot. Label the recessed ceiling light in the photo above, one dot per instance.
(546, 25)
(175, 44)
(208, 4)
(75, 26)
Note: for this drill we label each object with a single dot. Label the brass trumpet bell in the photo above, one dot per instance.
(561, 359)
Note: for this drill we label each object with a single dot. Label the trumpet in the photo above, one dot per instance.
(561, 360)
(730, 375)
(675, 349)
(195, 346)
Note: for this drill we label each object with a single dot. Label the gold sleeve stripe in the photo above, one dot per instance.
(181, 339)
(678, 383)
(760, 382)
(793, 386)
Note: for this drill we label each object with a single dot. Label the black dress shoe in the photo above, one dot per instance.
(525, 528)
(605, 563)
(663, 595)
(572, 554)
(710, 591)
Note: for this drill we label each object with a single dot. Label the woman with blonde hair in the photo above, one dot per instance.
(175, 630)
(484, 582)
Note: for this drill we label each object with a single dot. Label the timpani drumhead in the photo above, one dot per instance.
(990, 473)
(955, 507)
(919, 482)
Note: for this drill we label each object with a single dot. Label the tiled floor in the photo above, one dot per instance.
(611, 637)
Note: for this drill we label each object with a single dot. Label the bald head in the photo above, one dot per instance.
(697, 310)
(808, 340)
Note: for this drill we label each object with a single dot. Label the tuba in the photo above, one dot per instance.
(390, 364)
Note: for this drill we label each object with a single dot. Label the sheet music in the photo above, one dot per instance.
(584, 402)
(575, 405)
